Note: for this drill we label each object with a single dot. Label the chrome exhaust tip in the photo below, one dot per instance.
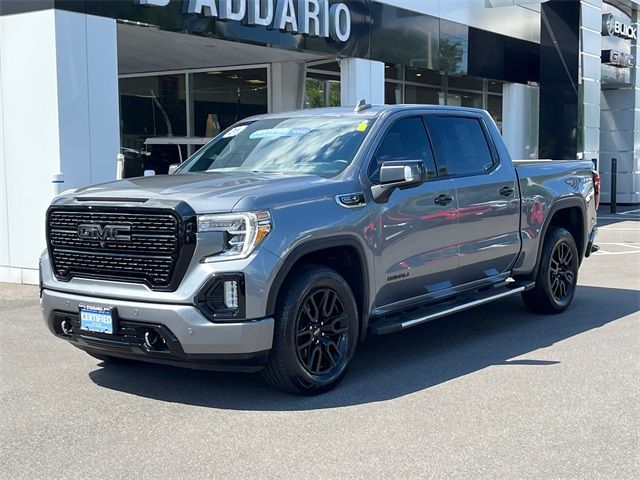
(154, 341)
(66, 327)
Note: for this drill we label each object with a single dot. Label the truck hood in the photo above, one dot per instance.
(213, 192)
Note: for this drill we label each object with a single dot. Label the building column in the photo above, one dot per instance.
(570, 71)
(620, 135)
(59, 114)
(360, 79)
(287, 86)
(634, 167)
(520, 106)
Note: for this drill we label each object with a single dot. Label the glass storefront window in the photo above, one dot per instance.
(423, 76)
(152, 107)
(423, 86)
(321, 91)
(454, 47)
(494, 107)
(322, 85)
(393, 72)
(221, 98)
(425, 95)
(404, 37)
(160, 115)
(495, 86)
(413, 85)
(393, 87)
(465, 83)
(393, 94)
(464, 99)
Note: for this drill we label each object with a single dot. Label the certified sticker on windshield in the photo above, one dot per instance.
(279, 132)
(234, 131)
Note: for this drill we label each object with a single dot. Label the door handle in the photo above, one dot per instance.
(506, 191)
(443, 199)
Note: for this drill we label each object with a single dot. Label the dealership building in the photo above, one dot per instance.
(82, 81)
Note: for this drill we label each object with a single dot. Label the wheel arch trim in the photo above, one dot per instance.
(559, 205)
(316, 245)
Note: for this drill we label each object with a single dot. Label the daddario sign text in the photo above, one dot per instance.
(309, 17)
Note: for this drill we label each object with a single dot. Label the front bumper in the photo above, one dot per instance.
(191, 340)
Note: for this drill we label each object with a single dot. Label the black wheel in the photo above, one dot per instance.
(107, 359)
(316, 332)
(557, 274)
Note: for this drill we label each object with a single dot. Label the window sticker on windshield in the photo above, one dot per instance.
(362, 127)
(234, 131)
(279, 132)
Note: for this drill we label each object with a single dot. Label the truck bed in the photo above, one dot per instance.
(545, 185)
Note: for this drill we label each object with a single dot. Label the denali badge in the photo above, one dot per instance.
(94, 231)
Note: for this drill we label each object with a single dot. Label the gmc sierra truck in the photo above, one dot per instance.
(290, 237)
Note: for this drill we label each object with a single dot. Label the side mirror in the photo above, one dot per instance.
(400, 174)
(173, 167)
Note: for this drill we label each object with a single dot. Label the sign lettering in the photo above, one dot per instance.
(611, 26)
(617, 58)
(308, 17)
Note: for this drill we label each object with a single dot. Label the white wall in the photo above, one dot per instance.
(4, 233)
(59, 109)
(30, 147)
(87, 98)
(519, 21)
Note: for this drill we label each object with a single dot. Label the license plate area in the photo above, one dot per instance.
(97, 319)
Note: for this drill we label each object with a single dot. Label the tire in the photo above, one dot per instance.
(557, 275)
(315, 333)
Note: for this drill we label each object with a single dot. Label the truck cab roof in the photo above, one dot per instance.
(372, 111)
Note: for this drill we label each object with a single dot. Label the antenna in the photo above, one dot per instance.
(362, 105)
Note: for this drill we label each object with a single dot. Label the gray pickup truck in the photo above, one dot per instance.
(290, 237)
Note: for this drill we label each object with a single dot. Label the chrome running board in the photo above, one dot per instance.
(413, 317)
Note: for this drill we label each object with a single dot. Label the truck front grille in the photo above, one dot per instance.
(156, 249)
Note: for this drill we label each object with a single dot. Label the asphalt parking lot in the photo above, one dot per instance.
(495, 392)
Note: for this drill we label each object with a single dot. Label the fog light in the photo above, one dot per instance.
(231, 294)
(222, 297)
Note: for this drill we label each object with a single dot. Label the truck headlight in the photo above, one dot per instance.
(243, 232)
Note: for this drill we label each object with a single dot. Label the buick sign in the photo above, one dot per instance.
(308, 17)
(614, 27)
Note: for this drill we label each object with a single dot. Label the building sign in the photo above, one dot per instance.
(613, 27)
(617, 58)
(308, 17)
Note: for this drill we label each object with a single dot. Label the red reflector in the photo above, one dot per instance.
(596, 186)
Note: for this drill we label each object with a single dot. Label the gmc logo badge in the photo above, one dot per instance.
(96, 232)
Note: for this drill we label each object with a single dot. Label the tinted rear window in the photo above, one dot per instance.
(460, 145)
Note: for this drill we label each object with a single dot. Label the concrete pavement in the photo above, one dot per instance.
(495, 392)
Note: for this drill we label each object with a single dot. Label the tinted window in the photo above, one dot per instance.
(460, 145)
(405, 140)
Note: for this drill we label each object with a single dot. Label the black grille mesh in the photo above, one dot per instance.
(149, 256)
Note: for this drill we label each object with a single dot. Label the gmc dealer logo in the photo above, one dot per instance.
(97, 232)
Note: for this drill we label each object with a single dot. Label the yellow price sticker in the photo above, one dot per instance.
(362, 126)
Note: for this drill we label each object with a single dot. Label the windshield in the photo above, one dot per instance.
(319, 145)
